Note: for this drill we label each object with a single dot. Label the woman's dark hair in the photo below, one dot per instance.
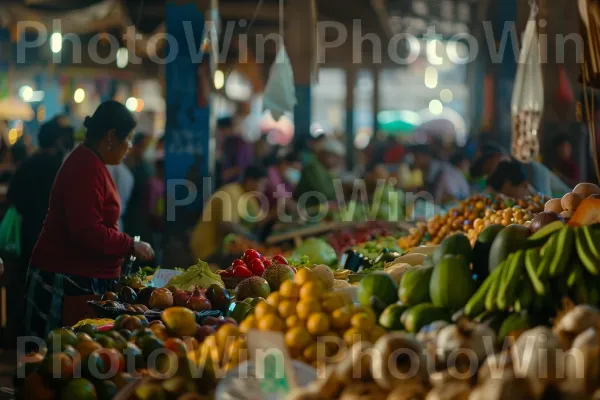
(255, 172)
(457, 158)
(511, 171)
(560, 139)
(109, 115)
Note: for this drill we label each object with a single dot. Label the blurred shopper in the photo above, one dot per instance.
(80, 249)
(124, 181)
(510, 179)
(565, 167)
(460, 161)
(283, 177)
(540, 177)
(30, 187)
(445, 182)
(318, 174)
(155, 204)
(237, 154)
(134, 221)
(231, 210)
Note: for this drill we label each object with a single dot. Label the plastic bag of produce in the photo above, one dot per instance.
(317, 250)
(528, 95)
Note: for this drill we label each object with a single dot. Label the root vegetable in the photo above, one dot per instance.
(571, 201)
(397, 358)
(466, 336)
(451, 391)
(536, 355)
(356, 364)
(579, 319)
(363, 391)
(409, 391)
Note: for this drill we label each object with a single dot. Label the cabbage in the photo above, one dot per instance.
(317, 250)
(197, 275)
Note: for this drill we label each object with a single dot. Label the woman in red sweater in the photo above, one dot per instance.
(80, 249)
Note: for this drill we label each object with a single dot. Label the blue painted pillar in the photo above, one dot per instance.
(187, 130)
(504, 15)
(52, 97)
(302, 113)
(5, 51)
(350, 134)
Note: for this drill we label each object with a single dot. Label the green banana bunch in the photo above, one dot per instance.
(587, 244)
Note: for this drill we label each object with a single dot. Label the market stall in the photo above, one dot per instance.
(462, 307)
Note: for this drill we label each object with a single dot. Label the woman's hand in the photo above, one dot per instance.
(143, 251)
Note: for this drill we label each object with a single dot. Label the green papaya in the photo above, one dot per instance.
(414, 286)
(451, 285)
(421, 315)
(481, 251)
(390, 319)
(378, 287)
(239, 310)
(509, 240)
(456, 245)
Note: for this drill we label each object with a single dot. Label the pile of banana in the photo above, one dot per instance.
(566, 263)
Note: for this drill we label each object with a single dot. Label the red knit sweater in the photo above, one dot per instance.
(80, 234)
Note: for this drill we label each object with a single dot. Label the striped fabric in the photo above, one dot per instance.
(44, 296)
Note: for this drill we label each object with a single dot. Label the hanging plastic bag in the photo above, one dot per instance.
(10, 232)
(528, 94)
(280, 93)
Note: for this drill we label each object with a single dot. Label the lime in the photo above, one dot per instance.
(79, 389)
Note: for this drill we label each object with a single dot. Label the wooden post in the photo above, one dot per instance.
(300, 26)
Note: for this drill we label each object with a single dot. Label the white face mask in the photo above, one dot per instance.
(292, 175)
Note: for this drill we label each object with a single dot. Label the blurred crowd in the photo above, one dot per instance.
(288, 176)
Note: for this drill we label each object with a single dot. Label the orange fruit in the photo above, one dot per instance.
(289, 290)
(293, 321)
(271, 322)
(376, 333)
(311, 353)
(297, 338)
(306, 307)
(318, 323)
(340, 318)
(263, 309)
(287, 308)
(274, 299)
(248, 323)
(354, 335)
(302, 276)
(363, 321)
(311, 290)
(226, 334)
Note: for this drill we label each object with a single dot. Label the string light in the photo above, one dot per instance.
(131, 104)
(79, 95)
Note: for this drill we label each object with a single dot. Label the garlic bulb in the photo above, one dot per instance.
(397, 358)
(503, 389)
(587, 338)
(478, 339)
(356, 364)
(536, 355)
(451, 391)
(577, 320)
(582, 368)
(409, 391)
(496, 366)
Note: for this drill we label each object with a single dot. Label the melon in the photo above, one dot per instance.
(455, 245)
(377, 290)
(254, 286)
(276, 274)
(509, 240)
(451, 284)
(324, 274)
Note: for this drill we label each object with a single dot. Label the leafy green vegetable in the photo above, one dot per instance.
(303, 261)
(317, 250)
(197, 275)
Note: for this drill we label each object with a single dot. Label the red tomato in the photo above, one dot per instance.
(256, 266)
(267, 263)
(279, 259)
(239, 271)
(239, 261)
(250, 255)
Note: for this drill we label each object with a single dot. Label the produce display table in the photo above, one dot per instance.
(300, 233)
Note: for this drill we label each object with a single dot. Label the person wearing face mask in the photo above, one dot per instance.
(282, 178)
(80, 249)
(317, 176)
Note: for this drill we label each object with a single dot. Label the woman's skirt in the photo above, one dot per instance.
(44, 296)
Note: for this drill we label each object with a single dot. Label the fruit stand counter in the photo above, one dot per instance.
(297, 234)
